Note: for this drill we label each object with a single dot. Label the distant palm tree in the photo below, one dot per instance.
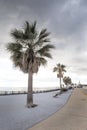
(60, 69)
(28, 51)
(67, 80)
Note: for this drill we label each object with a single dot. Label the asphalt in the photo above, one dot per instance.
(73, 116)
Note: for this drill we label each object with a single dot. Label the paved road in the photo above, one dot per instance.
(73, 116)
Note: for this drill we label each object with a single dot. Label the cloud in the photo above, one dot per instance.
(70, 19)
(65, 19)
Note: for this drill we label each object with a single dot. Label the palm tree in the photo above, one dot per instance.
(67, 80)
(28, 51)
(60, 69)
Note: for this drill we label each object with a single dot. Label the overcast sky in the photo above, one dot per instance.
(67, 22)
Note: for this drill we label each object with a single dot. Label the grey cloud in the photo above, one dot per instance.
(71, 21)
(61, 46)
(81, 70)
(14, 12)
(80, 61)
(66, 20)
(38, 6)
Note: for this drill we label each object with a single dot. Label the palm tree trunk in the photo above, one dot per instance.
(60, 89)
(30, 91)
(60, 84)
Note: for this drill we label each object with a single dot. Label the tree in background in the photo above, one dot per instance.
(67, 81)
(28, 51)
(60, 69)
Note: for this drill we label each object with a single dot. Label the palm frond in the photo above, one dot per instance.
(17, 59)
(48, 55)
(26, 27)
(45, 49)
(30, 30)
(42, 36)
(43, 61)
(60, 69)
(58, 65)
(63, 68)
(14, 47)
(46, 40)
(33, 27)
(17, 34)
(40, 42)
(55, 69)
(43, 31)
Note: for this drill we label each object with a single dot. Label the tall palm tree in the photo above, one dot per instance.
(60, 69)
(28, 51)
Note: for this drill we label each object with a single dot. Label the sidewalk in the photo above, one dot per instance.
(14, 115)
(73, 116)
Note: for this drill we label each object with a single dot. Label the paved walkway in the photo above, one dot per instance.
(73, 116)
